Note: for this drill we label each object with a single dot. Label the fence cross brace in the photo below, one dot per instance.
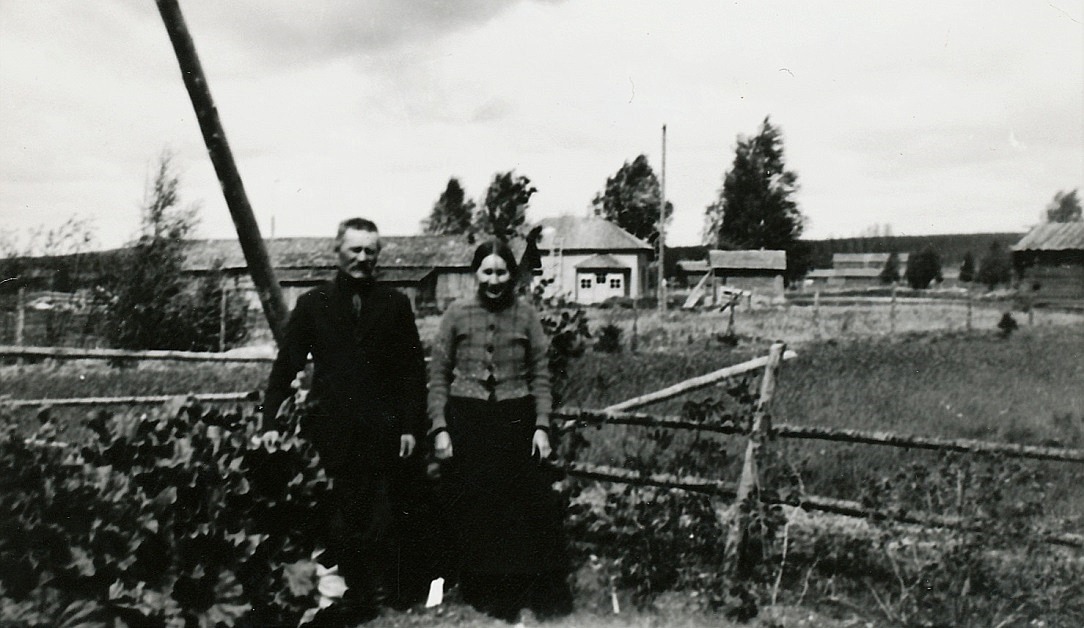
(736, 552)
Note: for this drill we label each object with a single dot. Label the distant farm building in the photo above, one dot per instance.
(759, 273)
(691, 271)
(1049, 260)
(590, 260)
(854, 270)
(430, 270)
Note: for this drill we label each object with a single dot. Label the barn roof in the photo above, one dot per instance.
(587, 234)
(601, 261)
(422, 251)
(748, 260)
(1053, 236)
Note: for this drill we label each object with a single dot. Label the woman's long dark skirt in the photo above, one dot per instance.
(507, 518)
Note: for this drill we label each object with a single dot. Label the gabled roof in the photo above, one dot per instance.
(587, 234)
(748, 260)
(1053, 236)
(422, 251)
(601, 261)
(284, 253)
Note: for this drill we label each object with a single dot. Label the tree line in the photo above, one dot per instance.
(755, 208)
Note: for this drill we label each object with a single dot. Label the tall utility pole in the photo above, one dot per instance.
(662, 227)
(248, 232)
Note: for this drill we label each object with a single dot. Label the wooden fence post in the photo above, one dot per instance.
(733, 305)
(970, 306)
(20, 316)
(892, 313)
(222, 316)
(817, 315)
(736, 557)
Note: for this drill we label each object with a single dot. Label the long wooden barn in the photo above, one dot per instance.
(1049, 262)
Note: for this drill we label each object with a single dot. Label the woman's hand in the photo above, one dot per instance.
(442, 445)
(541, 444)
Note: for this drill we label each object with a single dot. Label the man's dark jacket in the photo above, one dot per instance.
(368, 384)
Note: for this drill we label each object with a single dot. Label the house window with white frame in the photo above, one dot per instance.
(615, 283)
(585, 282)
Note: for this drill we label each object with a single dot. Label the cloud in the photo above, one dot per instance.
(284, 32)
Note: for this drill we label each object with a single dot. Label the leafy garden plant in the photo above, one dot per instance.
(188, 516)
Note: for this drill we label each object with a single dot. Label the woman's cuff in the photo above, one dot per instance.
(437, 430)
(544, 427)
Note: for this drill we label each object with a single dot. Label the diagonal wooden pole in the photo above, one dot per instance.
(248, 232)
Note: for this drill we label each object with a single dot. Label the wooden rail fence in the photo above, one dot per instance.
(72, 353)
(761, 432)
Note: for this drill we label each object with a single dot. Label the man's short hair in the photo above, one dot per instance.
(358, 224)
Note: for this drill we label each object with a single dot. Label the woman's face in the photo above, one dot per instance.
(493, 276)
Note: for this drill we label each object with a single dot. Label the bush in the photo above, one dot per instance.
(609, 339)
(992, 568)
(1007, 325)
(923, 267)
(186, 517)
(995, 267)
(657, 540)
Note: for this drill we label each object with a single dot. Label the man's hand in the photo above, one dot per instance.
(442, 445)
(406, 445)
(541, 444)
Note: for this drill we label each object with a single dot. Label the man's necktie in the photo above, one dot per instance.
(356, 300)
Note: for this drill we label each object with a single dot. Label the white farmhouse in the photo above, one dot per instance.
(591, 259)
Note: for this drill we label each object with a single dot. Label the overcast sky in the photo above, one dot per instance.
(930, 116)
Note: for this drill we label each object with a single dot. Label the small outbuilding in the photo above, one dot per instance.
(759, 273)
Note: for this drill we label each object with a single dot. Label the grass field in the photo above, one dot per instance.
(1027, 389)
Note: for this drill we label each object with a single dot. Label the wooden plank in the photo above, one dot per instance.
(962, 445)
(831, 505)
(661, 480)
(695, 383)
(574, 416)
(129, 401)
(697, 293)
(73, 353)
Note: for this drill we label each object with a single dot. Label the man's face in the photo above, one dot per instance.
(358, 251)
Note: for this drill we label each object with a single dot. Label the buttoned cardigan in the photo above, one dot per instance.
(489, 355)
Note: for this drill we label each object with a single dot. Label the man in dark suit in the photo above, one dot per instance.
(364, 413)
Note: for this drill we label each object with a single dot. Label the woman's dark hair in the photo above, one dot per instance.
(498, 248)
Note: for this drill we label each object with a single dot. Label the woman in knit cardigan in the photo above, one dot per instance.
(489, 407)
